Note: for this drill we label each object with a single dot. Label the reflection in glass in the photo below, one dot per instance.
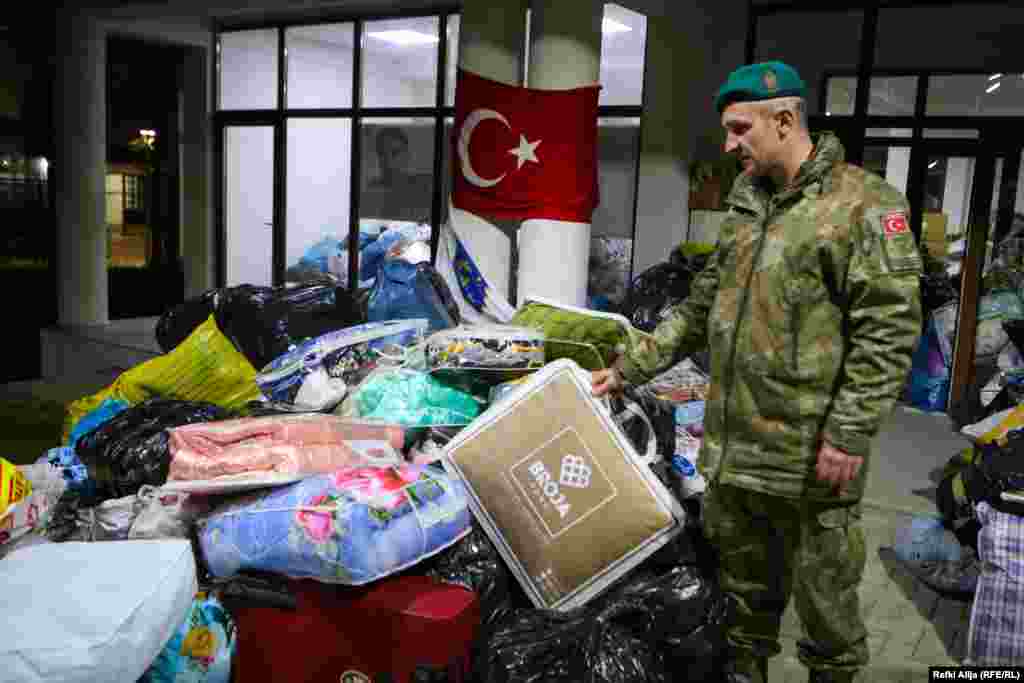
(611, 246)
(453, 59)
(997, 94)
(319, 186)
(248, 69)
(248, 204)
(893, 96)
(840, 93)
(833, 45)
(889, 132)
(319, 65)
(892, 163)
(400, 62)
(623, 39)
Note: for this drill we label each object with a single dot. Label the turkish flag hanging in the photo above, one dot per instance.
(523, 153)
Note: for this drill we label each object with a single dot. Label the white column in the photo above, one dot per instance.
(81, 150)
(492, 34)
(565, 52)
(897, 167)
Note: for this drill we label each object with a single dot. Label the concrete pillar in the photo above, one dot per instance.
(897, 167)
(492, 34)
(80, 173)
(565, 52)
(197, 245)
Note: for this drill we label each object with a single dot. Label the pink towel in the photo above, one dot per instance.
(311, 443)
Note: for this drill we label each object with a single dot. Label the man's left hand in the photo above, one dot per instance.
(837, 467)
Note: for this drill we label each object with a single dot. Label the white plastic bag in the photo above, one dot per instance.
(32, 512)
(166, 514)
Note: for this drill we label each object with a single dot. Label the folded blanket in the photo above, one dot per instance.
(353, 526)
(296, 444)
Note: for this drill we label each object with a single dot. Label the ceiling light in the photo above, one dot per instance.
(612, 26)
(828, 113)
(932, 165)
(404, 38)
(992, 88)
(146, 133)
(995, 76)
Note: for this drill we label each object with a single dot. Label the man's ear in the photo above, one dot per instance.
(785, 122)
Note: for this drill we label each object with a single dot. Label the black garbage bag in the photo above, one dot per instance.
(131, 449)
(264, 322)
(663, 622)
(474, 563)
(654, 291)
(660, 414)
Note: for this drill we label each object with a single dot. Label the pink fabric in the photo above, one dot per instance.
(295, 444)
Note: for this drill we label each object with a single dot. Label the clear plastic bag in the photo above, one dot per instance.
(410, 398)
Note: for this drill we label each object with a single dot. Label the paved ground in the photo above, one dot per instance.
(910, 626)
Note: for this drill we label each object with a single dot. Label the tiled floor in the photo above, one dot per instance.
(910, 626)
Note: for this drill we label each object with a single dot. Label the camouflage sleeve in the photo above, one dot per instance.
(683, 331)
(883, 321)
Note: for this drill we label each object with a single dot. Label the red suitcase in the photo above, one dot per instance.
(400, 630)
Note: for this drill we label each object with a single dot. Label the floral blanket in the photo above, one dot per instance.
(351, 527)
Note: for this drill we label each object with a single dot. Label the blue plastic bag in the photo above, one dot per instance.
(406, 291)
(200, 651)
(90, 421)
(373, 253)
(928, 383)
(75, 473)
(925, 539)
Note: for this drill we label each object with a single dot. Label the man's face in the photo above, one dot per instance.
(394, 154)
(752, 136)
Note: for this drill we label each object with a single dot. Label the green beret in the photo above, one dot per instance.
(756, 82)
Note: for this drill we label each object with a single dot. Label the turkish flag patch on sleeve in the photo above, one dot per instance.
(522, 153)
(895, 223)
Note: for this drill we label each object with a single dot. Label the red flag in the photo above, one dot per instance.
(523, 153)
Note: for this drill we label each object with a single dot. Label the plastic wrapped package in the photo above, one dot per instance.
(485, 347)
(405, 291)
(132, 449)
(410, 398)
(310, 443)
(682, 383)
(200, 651)
(350, 527)
(317, 373)
(590, 338)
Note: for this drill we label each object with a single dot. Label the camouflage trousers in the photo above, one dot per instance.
(770, 548)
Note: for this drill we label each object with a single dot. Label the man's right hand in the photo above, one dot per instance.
(606, 381)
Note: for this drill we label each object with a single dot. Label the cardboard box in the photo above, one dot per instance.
(560, 490)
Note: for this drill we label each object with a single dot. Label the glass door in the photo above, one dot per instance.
(968, 200)
(247, 158)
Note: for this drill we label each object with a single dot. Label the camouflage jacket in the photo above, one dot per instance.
(811, 308)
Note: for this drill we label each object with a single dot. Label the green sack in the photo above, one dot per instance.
(591, 338)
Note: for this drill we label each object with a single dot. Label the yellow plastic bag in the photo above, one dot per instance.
(1015, 420)
(204, 367)
(14, 486)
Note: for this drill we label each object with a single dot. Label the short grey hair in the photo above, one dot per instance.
(797, 105)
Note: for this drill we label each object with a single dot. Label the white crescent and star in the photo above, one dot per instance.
(525, 151)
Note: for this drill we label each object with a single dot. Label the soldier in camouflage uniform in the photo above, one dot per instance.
(810, 306)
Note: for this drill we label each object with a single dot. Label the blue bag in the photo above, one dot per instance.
(928, 383)
(406, 291)
(91, 420)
